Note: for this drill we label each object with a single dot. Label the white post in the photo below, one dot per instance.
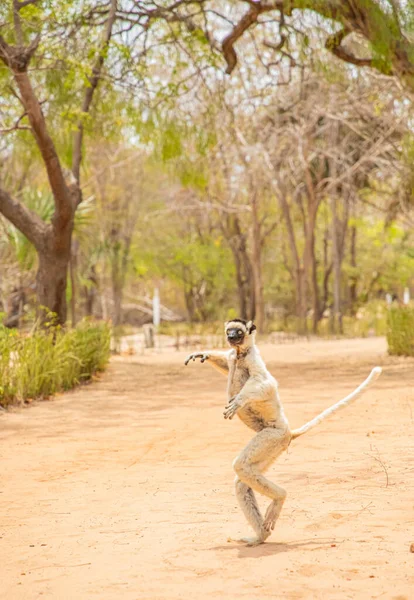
(156, 317)
(406, 298)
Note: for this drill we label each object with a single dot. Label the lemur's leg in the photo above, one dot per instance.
(217, 359)
(261, 451)
(248, 504)
(274, 509)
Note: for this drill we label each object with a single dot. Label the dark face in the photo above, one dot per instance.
(235, 335)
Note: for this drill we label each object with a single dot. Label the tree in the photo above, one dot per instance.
(191, 253)
(237, 194)
(74, 74)
(125, 185)
(51, 241)
(384, 27)
(317, 154)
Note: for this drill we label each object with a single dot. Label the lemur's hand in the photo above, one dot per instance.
(231, 408)
(195, 355)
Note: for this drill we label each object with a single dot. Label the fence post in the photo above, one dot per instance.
(149, 335)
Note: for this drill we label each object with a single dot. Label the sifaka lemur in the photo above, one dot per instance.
(253, 395)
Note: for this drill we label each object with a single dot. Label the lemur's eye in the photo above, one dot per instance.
(240, 332)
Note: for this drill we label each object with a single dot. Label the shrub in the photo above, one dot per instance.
(46, 362)
(400, 330)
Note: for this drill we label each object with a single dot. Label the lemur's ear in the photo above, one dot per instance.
(250, 326)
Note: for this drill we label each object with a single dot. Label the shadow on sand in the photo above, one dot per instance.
(270, 548)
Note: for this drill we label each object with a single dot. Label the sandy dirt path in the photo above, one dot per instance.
(124, 488)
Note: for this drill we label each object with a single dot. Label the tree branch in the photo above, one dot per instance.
(89, 91)
(243, 25)
(24, 3)
(368, 19)
(25, 220)
(16, 126)
(62, 197)
(17, 59)
(17, 23)
(333, 44)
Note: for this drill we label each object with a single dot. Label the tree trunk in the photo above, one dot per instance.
(245, 289)
(354, 278)
(252, 298)
(257, 268)
(245, 284)
(258, 294)
(299, 269)
(311, 265)
(116, 276)
(90, 292)
(326, 276)
(117, 306)
(72, 270)
(241, 288)
(119, 267)
(336, 259)
(301, 300)
(89, 297)
(189, 303)
(315, 295)
(51, 284)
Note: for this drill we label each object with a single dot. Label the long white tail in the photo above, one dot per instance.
(375, 373)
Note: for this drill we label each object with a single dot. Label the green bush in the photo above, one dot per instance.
(50, 361)
(400, 330)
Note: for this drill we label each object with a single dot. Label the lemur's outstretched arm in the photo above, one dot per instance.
(217, 359)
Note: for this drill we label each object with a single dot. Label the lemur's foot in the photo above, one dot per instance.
(249, 541)
(203, 357)
(252, 541)
(271, 516)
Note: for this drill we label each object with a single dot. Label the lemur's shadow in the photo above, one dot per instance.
(270, 548)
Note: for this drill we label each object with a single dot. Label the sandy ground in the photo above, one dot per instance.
(124, 488)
